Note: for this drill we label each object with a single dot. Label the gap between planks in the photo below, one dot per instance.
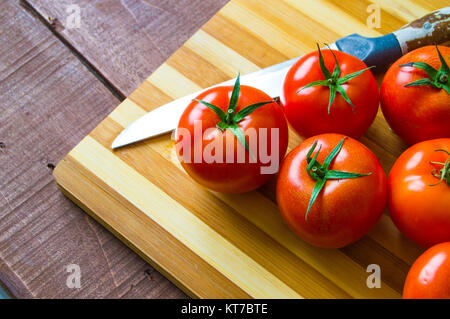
(52, 26)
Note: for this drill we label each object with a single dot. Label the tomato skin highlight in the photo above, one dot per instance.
(420, 211)
(416, 113)
(307, 111)
(231, 177)
(345, 209)
(429, 276)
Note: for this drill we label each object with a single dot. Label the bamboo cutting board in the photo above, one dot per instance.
(236, 246)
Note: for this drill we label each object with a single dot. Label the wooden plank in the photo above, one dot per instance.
(127, 40)
(266, 260)
(218, 286)
(49, 101)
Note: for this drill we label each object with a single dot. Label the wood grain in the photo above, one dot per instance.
(127, 40)
(49, 101)
(241, 237)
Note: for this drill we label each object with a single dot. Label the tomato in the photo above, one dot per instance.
(429, 276)
(417, 113)
(309, 111)
(418, 202)
(345, 208)
(231, 146)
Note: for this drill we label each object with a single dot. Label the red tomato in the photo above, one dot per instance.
(429, 276)
(307, 110)
(346, 208)
(225, 174)
(416, 113)
(419, 207)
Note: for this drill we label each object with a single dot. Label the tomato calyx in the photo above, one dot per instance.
(230, 119)
(444, 173)
(334, 81)
(437, 78)
(321, 172)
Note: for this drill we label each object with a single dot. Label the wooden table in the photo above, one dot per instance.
(58, 80)
(56, 85)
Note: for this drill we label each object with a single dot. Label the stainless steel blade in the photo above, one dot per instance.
(165, 118)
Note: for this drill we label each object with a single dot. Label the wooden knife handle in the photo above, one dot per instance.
(434, 28)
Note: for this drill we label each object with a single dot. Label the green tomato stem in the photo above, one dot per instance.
(444, 173)
(333, 80)
(436, 78)
(230, 119)
(321, 172)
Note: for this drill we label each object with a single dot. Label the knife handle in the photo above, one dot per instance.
(434, 28)
(380, 52)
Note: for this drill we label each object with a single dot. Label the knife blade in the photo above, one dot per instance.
(381, 51)
(165, 118)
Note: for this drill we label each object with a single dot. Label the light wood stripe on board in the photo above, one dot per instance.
(264, 30)
(222, 56)
(200, 71)
(232, 35)
(333, 17)
(172, 82)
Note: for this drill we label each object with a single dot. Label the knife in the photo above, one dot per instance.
(433, 28)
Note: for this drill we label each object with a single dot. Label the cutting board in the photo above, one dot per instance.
(236, 246)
